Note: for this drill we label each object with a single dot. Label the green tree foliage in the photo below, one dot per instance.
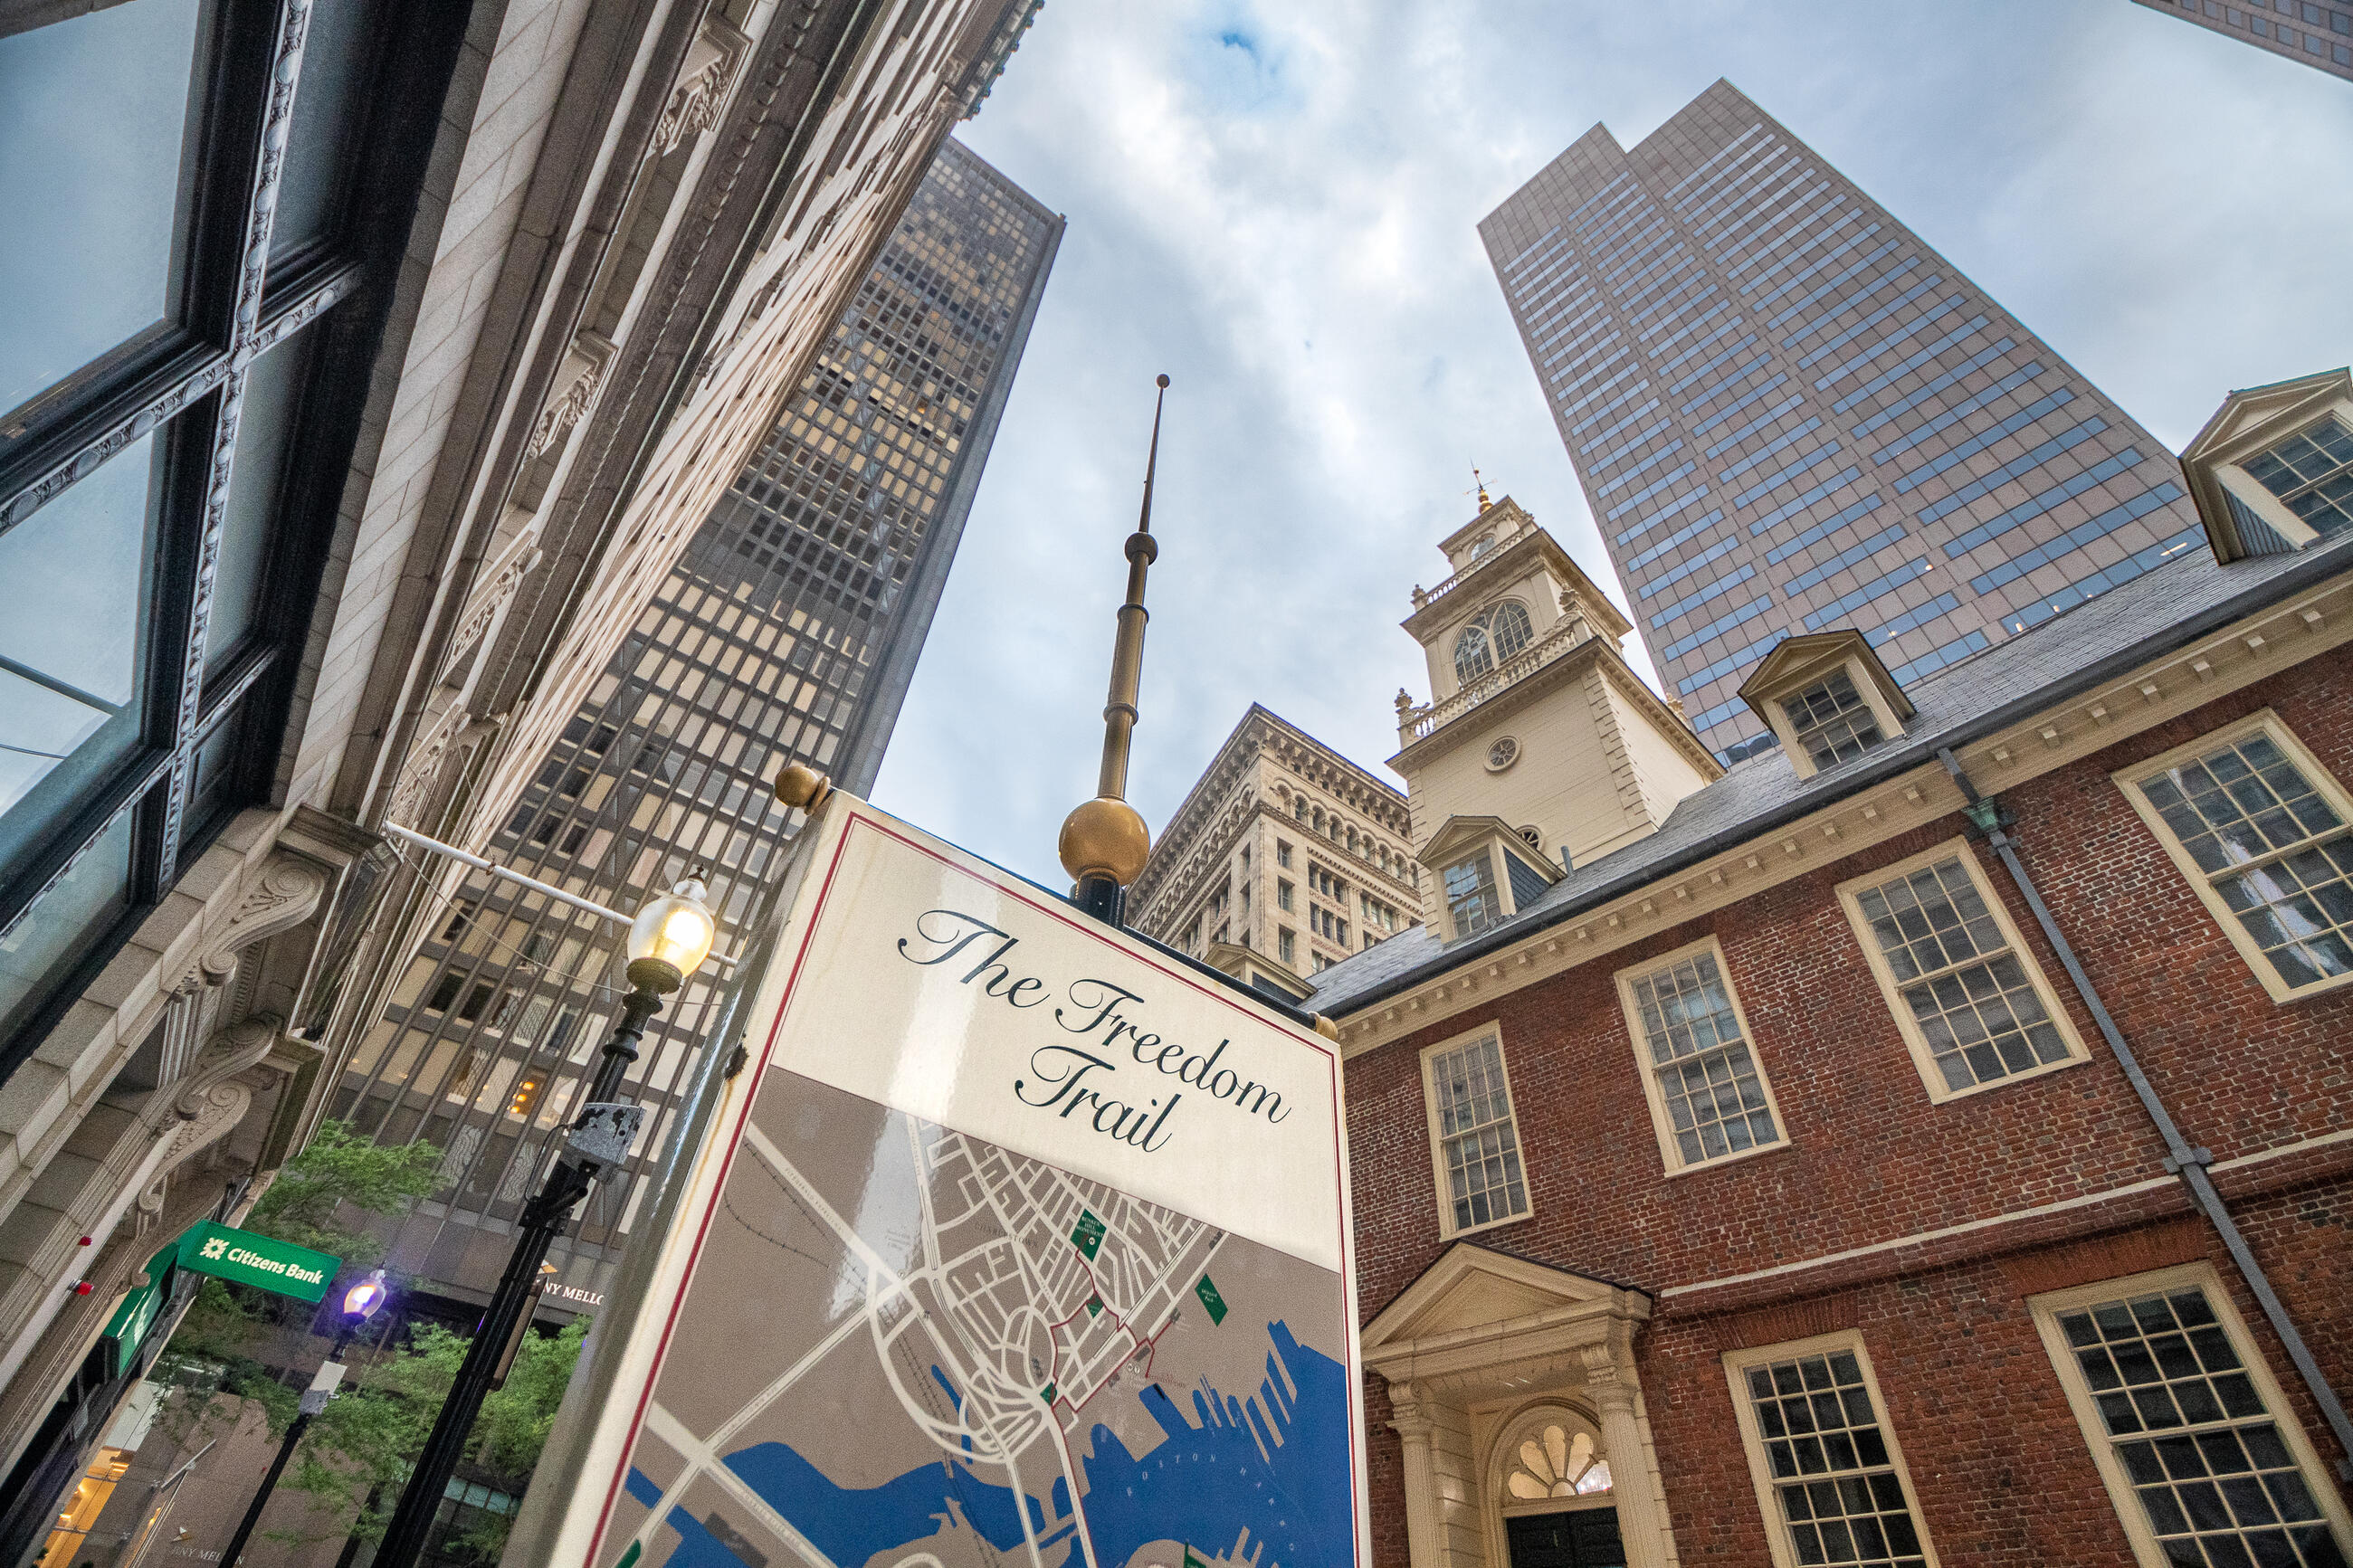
(356, 1457)
(338, 1167)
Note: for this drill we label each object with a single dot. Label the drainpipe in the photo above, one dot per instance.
(1987, 817)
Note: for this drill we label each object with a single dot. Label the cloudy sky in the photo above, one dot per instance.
(1275, 204)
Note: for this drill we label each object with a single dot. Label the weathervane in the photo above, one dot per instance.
(1104, 843)
(1481, 484)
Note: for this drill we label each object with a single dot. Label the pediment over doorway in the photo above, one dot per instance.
(1479, 1318)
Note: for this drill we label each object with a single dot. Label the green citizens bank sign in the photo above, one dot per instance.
(258, 1260)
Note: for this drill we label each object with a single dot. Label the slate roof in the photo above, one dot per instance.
(2175, 604)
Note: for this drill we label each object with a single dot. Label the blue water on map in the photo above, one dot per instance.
(1275, 1464)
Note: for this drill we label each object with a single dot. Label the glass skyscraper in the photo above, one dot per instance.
(2317, 32)
(1790, 414)
(787, 632)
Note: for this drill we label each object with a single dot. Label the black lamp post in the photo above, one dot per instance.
(361, 1303)
(668, 941)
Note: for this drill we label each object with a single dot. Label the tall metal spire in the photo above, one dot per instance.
(1104, 842)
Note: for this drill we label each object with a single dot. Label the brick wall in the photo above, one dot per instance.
(1998, 1459)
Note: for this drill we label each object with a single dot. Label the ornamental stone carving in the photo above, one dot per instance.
(523, 558)
(704, 80)
(424, 765)
(576, 388)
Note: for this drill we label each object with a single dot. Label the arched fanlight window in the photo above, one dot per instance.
(1560, 1460)
(1499, 632)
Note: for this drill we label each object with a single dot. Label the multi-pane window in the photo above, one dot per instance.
(1496, 634)
(1967, 996)
(1821, 1450)
(1471, 897)
(2312, 474)
(1833, 720)
(163, 405)
(1477, 1146)
(2163, 1387)
(1708, 1091)
(2268, 849)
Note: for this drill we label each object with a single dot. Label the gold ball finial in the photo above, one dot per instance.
(802, 785)
(1104, 837)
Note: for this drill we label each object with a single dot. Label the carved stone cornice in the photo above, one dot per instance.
(705, 78)
(574, 389)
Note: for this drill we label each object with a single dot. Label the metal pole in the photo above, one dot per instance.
(543, 1219)
(314, 1399)
(2187, 1162)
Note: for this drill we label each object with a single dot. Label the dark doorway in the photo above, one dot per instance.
(1586, 1538)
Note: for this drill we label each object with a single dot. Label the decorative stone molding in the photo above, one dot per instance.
(704, 80)
(423, 764)
(489, 600)
(576, 388)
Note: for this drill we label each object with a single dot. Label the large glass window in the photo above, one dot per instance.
(1967, 996)
(85, 902)
(2186, 1429)
(2269, 851)
(1476, 1141)
(1821, 1452)
(1833, 720)
(74, 575)
(1708, 1092)
(2312, 472)
(272, 396)
(93, 115)
(1472, 901)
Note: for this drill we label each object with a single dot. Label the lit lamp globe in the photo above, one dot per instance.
(363, 1299)
(671, 938)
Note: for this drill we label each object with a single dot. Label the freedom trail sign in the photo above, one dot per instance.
(937, 1288)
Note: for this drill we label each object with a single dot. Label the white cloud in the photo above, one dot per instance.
(1276, 206)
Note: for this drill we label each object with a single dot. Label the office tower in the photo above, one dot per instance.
(787, 633)
(1790, 414)
(1284, 851)
(2320, 35)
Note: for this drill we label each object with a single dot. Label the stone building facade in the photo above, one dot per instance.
(1284, 859)
(1925, 1143)
(356, 425)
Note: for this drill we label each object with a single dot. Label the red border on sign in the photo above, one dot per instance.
(1053, 910)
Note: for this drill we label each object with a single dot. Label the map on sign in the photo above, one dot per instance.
(1007, 1361)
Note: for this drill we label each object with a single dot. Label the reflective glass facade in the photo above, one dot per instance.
(2317, 32)
(787, 632)
(202, 195)
(1788, 413)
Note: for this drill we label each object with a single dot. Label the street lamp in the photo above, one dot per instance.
(361, 1303)
(669, 940)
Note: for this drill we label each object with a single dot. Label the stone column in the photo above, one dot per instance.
(1410, 1419)
(1641, 1520)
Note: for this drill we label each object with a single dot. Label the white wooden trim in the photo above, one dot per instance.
(1662, 1124)
(1446, 1229)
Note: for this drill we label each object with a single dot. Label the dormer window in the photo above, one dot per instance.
(1826, 697)
(1498, 633)
(1471, 899)
(1833, 720)
(2273, 470)
(2311, 472)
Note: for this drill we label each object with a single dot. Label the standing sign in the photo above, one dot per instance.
(264, 1262)
(1021, 1241)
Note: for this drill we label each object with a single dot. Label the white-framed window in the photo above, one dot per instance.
(1708, 1097)
(2265, 834)
(2311, 472)
(2204, 1460)
(1832, 721)
(1967, 996)
(1474, 1140)
(1830, 1476)
(1472, 900)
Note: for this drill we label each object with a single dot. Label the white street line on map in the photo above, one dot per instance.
(701, 1460)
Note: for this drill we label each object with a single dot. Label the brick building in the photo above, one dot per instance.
(1926, 1142)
